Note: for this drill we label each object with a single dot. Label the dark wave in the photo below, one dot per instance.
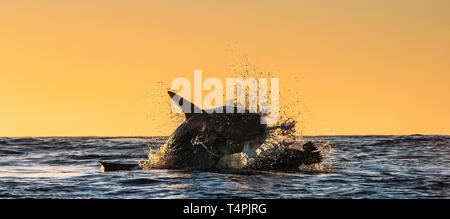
(412, 166)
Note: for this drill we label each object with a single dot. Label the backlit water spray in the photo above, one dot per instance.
(282, 134)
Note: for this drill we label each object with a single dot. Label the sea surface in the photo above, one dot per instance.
(415, 166)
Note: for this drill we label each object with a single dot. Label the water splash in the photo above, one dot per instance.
(282, 135)
(157, 158)
(287, 132)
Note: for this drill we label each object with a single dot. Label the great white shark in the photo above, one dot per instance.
(206, 140)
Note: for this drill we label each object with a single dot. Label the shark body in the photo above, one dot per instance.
(206, 140)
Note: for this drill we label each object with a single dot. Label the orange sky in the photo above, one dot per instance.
(71, 68)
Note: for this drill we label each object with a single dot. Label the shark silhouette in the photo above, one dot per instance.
(206, 139)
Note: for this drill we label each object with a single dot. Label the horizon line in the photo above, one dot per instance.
(156, 136)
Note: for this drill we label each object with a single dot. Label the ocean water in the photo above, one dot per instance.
(416, 166)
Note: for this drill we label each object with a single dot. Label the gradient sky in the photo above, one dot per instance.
(78, 67)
